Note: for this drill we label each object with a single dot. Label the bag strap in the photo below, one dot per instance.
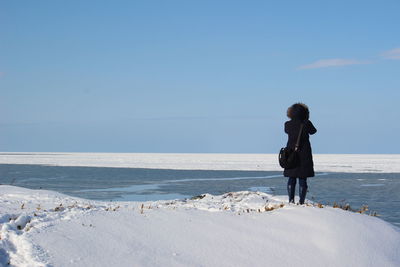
(298, 137)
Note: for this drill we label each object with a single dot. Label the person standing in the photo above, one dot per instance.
(299, 114)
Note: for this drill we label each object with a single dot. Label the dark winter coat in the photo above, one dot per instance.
(306, 165)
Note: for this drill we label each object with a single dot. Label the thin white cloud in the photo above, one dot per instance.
(334, 62)
(392, 54)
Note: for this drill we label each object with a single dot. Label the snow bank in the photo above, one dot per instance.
(43, 228)
(355, 163)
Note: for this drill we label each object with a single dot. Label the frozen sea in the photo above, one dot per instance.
(373, 182)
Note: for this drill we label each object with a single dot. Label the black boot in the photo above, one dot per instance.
(291, 186)
(302, 190)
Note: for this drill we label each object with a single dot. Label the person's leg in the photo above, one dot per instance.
(302, 189)
(291, 186)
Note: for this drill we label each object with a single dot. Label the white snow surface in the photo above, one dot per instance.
(355, 163)
(44, 228)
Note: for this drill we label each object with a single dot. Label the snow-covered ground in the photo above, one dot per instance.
(355, 163)
(43, 228)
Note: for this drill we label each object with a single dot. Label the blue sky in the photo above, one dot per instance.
(197, 76)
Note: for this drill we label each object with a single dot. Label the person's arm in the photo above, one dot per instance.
(286, 128)
(310, 127)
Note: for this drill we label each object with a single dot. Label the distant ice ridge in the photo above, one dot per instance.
(355, 163)
(44, 228)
